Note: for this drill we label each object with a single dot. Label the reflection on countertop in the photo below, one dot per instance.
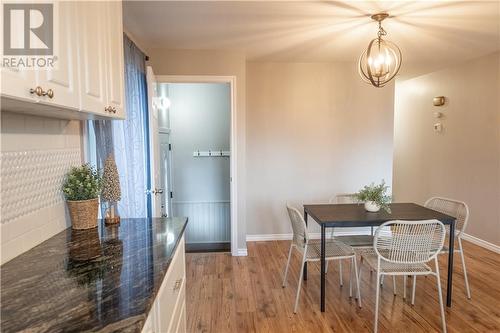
(104, 279)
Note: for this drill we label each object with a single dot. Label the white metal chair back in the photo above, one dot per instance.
(345, 198)
(457, 209)
(409, 242)
(300, 235)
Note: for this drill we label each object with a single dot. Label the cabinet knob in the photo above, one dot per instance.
(38, 91)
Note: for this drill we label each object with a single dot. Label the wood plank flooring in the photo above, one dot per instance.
(244, 294)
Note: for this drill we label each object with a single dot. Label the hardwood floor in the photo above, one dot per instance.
(244, 294)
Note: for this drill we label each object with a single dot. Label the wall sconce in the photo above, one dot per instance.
(438, 101)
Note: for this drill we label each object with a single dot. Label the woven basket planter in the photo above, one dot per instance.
(83, 213)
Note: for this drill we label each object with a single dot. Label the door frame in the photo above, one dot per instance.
(233, 140)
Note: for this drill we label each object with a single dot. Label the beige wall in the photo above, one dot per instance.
(186, 62)
(462, 162)
(36, 153)
(313, 130)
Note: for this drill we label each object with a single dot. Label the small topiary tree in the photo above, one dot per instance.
(111, 191)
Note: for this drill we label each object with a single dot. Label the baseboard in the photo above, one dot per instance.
(240, 253)
(312, 235)
(482, 243)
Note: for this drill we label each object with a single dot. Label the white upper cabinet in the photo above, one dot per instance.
(114, 58)
(61, 83)
(91, 27)
(17, 83)
(88, 79)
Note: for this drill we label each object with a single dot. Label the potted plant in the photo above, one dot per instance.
(375, 197)
(81, 189)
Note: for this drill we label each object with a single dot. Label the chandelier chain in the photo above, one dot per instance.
(381, 31)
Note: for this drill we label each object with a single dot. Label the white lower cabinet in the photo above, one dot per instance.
(168, 314)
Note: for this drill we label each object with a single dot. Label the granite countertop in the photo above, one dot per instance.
(99, 280)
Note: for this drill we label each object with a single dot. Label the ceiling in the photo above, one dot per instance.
(426, 31)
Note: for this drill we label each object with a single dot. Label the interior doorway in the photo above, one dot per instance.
(195, 164)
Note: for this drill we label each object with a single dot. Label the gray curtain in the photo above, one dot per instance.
(127, 140)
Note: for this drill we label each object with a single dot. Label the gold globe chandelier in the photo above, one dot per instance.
(381, 61)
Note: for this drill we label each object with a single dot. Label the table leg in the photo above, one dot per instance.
(305, 264)
(323, 266)
(451, 249)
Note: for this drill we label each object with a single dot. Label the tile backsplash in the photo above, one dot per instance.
(35, 154)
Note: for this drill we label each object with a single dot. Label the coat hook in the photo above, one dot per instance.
(198, 152)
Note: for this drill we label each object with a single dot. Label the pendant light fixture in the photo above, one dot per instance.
(381, 61)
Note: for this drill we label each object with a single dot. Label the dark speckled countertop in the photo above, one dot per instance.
(99, 280)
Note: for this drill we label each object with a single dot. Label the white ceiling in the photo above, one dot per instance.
(426, 31)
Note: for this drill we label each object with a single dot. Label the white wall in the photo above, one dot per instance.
(462, 162)
(313, 130)
(35, 155)
(200, 116)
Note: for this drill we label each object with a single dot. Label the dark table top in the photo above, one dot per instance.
(355, 215)
(99, 280)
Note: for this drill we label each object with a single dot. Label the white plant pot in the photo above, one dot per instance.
(371, 206)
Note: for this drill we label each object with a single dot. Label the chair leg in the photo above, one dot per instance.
(404, 286)
(438, 278)
(463, 267)
(394, 284)
(350, 279)
(357, 280)
(413, 290)
(340, 273)
(300, 283)
(377, 296)
(287, 264)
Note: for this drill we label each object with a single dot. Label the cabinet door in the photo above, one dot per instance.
(91, 56)
(16, 83)
(114, 58)
(63, 79)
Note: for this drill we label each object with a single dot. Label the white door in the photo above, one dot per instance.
(165, 172)
(63, 79)
(156, 191)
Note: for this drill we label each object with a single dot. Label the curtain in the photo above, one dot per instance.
(127, 140)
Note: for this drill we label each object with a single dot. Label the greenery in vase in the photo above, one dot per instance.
(377, 194)
(82, 183)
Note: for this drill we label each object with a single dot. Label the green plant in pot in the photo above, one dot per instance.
(375, 197)
(81, 188)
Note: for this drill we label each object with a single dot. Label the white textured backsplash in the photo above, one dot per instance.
(35, 155)
(32, 180)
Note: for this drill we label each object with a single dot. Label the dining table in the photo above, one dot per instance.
(355, 215)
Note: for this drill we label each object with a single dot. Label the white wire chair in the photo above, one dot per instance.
(311, 251)
(356, 241)
(405, 248)
(460, 211)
